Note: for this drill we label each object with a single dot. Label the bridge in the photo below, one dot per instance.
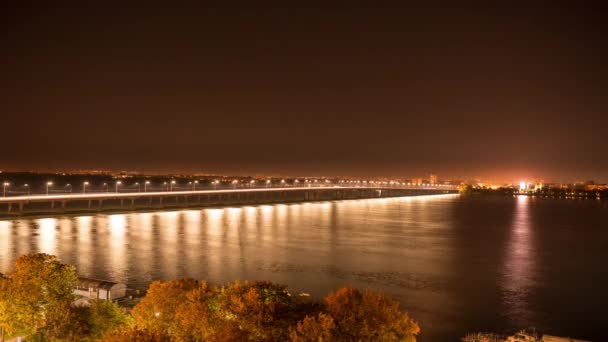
(15, 206)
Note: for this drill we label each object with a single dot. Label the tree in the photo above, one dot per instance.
(35, 294)
(156, 311)
(368, 316)
(8, 320)
(198, 318)
(106, 317)
(134, 334)
(311, 329)
(65, 322)
(260, 309)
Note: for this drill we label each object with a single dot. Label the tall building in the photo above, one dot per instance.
(433, 179)
(416, 181)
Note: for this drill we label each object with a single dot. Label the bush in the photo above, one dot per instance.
(368, 316)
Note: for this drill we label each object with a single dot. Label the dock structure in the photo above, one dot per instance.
(133, 201)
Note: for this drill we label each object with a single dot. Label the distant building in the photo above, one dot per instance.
(99, 289)
(416, 181)
(433, 179)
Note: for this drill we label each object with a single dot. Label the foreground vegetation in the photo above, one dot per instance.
(36, 301)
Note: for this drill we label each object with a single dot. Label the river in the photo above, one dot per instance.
(457, 264)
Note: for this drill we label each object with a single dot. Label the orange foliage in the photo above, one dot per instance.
(156, 311)
(187, 310)
(369, 316)
(134, 335)
(312, 329)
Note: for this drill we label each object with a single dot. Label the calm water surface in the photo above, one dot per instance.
(456, 264)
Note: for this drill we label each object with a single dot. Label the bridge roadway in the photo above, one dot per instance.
(15, 206)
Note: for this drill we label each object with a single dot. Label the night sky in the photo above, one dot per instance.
(464, 92)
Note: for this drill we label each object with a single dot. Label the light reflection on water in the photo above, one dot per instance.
(519, 263)
(457, 264)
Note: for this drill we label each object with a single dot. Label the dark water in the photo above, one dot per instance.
(456, 264)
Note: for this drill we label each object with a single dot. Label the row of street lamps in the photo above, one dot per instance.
(170, 185)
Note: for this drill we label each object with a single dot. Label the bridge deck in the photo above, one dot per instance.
(113, 201)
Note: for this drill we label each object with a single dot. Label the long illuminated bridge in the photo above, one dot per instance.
(12, 206)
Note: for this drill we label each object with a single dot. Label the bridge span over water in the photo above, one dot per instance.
(55, 204)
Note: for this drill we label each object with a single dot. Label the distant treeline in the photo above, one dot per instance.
(544, 192)
(37, 302)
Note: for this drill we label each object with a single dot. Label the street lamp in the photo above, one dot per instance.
(48, 184)
(268, 183)
(171, 186)
(194, 185)
(84, 187)
(234, 183)
(146, 183)
(252, 182)
(282, 182)
(118, 183)
(138, 186)
(105, 187)
(5, 185)
(69, 186)
(215, 183)
(166, 186)
(296, 182)
(27, 188)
